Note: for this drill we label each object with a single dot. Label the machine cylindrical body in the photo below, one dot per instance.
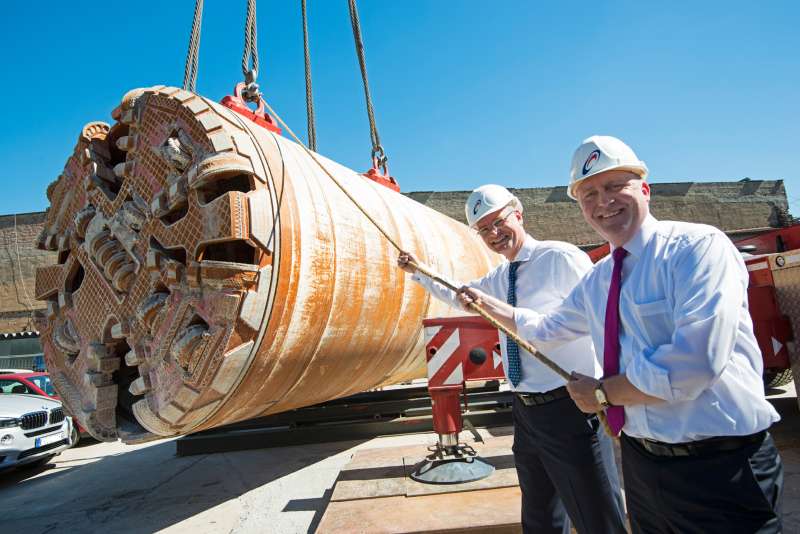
(209, 271)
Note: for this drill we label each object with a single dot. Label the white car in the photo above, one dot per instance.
(33, 429)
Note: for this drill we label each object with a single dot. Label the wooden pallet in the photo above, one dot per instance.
(374, 493)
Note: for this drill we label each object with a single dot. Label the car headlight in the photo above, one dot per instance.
(8, 422)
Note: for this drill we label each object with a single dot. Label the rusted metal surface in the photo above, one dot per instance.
(210, 272)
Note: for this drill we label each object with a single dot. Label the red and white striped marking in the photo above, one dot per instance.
(757, 266)
(445, 367)
(443, 370)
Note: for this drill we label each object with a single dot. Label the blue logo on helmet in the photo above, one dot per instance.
(477, 205)
(590, 161)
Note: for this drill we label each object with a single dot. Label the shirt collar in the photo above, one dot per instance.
(640, 239)
(528, 246)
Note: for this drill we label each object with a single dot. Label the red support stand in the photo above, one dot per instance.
(458, 349)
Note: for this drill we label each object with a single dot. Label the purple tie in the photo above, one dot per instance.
(615, 414)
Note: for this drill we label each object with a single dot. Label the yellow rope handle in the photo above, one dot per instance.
(475, 307)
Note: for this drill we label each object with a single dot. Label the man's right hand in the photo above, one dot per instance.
(467, 295)
(408, 262)
(500, 310)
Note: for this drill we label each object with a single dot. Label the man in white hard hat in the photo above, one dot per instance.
(682, 368)
(564, 460)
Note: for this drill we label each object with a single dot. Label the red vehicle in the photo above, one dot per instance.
(34, 383)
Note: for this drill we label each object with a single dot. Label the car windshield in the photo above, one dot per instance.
(13, 386)
(43, 382)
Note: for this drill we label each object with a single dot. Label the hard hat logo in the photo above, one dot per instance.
(477, 205)
(590, 161)
(601, 153)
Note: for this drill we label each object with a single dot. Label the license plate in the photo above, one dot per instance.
(47, 440)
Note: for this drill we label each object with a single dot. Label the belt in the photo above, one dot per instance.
(698, 448)
(537, 399)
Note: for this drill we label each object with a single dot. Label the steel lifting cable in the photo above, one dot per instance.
(312, 127)
(378, 153)
(251, 92)
(193, 52)
(427, 272)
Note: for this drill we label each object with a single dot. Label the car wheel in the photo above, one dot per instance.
(74, 436)
(775, 378)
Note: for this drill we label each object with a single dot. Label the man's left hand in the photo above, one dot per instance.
(581, 389)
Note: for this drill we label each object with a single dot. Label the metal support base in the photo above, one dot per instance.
(451, 465)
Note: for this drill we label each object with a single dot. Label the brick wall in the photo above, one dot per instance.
(19, 259)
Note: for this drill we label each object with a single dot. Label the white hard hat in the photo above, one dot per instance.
(601, 153)
(486, 199)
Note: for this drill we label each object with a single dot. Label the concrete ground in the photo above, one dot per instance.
(146, 488)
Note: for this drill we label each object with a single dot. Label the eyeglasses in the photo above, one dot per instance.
(495, 224)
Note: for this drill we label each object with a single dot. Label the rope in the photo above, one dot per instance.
(193, 54)
(377, 149)
(251, 92)
(312, 129)
(424, 270)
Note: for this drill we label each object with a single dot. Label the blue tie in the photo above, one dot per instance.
(512, 349)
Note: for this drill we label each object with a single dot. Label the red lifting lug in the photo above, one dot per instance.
(380, 174)
(259, 116)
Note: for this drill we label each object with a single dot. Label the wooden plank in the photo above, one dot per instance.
(369, 483)
(374, 494)
(372, 473)
(487, 511)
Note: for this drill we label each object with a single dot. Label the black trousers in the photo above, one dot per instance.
(732, 492)
(565, 464)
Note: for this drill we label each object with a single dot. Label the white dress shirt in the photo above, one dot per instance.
(685, 333)
(549, 272)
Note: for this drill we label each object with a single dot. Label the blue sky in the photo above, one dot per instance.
(465, 92)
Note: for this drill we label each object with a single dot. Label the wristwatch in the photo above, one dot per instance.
(600, 395)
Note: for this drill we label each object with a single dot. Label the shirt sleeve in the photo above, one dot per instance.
(562, 325)
(568, 268)
(709, 286)
(448, 296)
